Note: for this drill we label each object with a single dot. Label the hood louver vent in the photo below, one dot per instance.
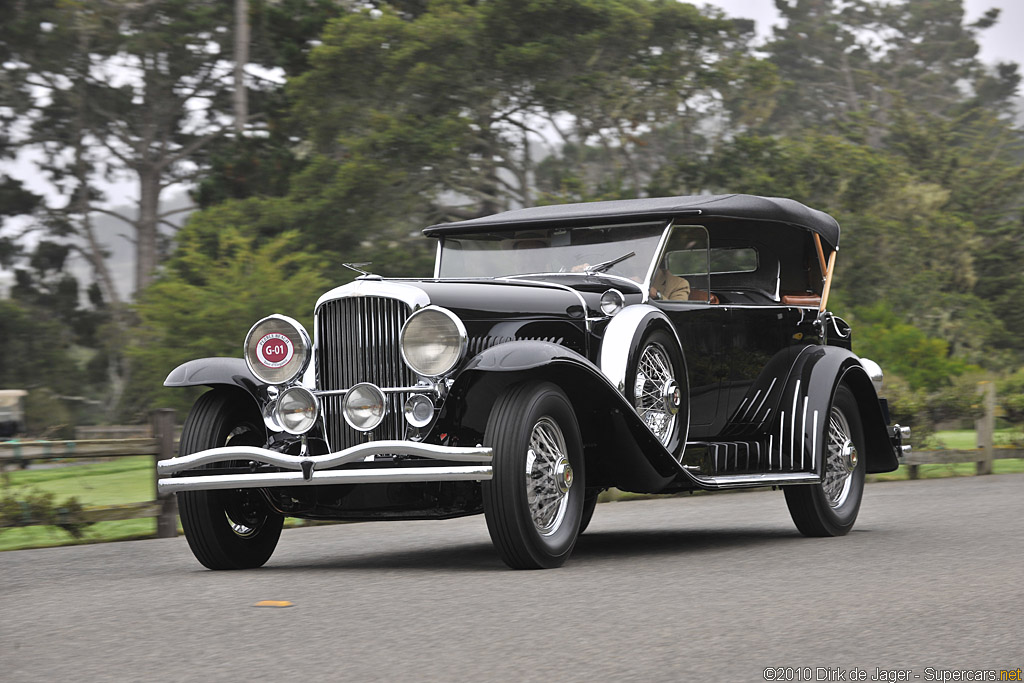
(480, 344)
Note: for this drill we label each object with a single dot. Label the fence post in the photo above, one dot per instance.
(986, 427)
(163, 431)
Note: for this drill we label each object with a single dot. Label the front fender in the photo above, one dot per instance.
(218, 371)
(621, 343)
(620, 450)
(805, 403)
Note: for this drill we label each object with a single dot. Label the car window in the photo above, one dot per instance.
(733, 260)
(552, 250)
(682, 272)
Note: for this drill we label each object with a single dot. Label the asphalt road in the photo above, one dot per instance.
(697, 588)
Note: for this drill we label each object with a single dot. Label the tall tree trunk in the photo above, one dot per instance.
(147, 227)
(117, 365)
(241, 95)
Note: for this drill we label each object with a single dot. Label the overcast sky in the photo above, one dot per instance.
(1004, 42)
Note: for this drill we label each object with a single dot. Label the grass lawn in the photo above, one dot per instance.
(963, 439)
(960, 469)
(130, 480)
(121, 480)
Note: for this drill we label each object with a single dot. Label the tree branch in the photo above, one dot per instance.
(165, 214)
(112, 214)
(169, 224)
(125, 160)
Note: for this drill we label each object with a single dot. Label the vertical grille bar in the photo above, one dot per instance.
(358, 342)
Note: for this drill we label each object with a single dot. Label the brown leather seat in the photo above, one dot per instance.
(702, 295)
(802, 299)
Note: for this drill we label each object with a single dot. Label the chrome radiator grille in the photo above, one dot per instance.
(357, 341)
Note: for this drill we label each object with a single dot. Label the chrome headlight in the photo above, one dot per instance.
(433, 341)
(612, 302)
(419, 410)
(277, 349)
(364, 406)
(297, 410)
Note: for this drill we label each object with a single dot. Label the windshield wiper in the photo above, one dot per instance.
(605, 265)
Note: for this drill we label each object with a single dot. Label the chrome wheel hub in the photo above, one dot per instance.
(244, 514)
(840, 460)
(548, 476)
(850, 456)
(656, 394)
(563, 475)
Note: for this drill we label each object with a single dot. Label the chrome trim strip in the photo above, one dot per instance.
(814, 442)
(782, 427)
(437, 259)
(751, 480)
(652, 266)
(418, 389)
(328, 460)
(792, 425)
(414, 297)
(766, 395)
(366, 476)
(803, 434)
(744, 403)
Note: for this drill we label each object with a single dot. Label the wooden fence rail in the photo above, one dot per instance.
(162, 446)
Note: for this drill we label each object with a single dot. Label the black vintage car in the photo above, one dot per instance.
(653, 345)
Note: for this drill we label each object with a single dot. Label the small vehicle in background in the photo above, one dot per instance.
(12, 412)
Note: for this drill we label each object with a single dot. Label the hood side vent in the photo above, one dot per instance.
(480, 344)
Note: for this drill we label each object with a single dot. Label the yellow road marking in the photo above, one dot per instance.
(273, 603)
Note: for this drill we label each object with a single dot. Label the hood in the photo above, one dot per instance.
(559, 296)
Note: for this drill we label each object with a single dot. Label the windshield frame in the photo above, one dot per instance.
(654, 245)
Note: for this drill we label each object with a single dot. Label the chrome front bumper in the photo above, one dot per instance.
(312, 470)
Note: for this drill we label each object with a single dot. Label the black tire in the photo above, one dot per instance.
(830, 508)
(226, 529)
(670, 429)
(538, 412)
(589, 504)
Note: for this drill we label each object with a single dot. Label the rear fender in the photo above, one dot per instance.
(803, 410)
(620, 450)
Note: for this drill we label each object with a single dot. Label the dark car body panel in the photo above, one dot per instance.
(757, 375)
(218, 371)
(623, 450)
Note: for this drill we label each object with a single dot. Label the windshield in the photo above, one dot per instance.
(553, 250)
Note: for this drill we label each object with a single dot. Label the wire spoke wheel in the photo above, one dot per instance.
(840, 460)
(546, 489)
(534, 501)
(830, 507)
(652, 386)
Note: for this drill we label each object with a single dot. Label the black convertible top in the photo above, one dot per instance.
(743, 206)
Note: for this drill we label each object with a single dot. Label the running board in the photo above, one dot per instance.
(738, 481)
